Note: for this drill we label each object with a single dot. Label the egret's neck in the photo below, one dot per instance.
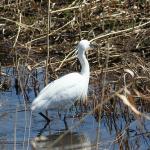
(85, 70)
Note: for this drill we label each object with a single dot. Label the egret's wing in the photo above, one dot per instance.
(60, 84)
(62, 89)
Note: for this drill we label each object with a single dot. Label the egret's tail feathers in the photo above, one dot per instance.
(38, 105)
(33, 107)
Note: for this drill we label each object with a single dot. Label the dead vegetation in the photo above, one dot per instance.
(33, 37)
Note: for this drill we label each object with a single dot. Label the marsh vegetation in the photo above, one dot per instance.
(36, 47)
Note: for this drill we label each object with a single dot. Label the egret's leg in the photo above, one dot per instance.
(47, 123)
(65, 122)
(45, 117)
(59, 114)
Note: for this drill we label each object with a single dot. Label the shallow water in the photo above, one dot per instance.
(114, 131)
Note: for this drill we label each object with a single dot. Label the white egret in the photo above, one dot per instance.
(62, 93)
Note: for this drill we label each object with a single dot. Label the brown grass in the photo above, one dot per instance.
(35, 37)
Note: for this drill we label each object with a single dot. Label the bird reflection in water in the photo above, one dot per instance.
(62, 140)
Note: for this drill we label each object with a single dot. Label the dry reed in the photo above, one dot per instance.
(119, 66)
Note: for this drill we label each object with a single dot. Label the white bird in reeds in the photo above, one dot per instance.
(62, 93)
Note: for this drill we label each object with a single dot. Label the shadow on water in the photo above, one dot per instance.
(119, 128)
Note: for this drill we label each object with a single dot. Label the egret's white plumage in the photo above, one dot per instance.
(63, 92)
